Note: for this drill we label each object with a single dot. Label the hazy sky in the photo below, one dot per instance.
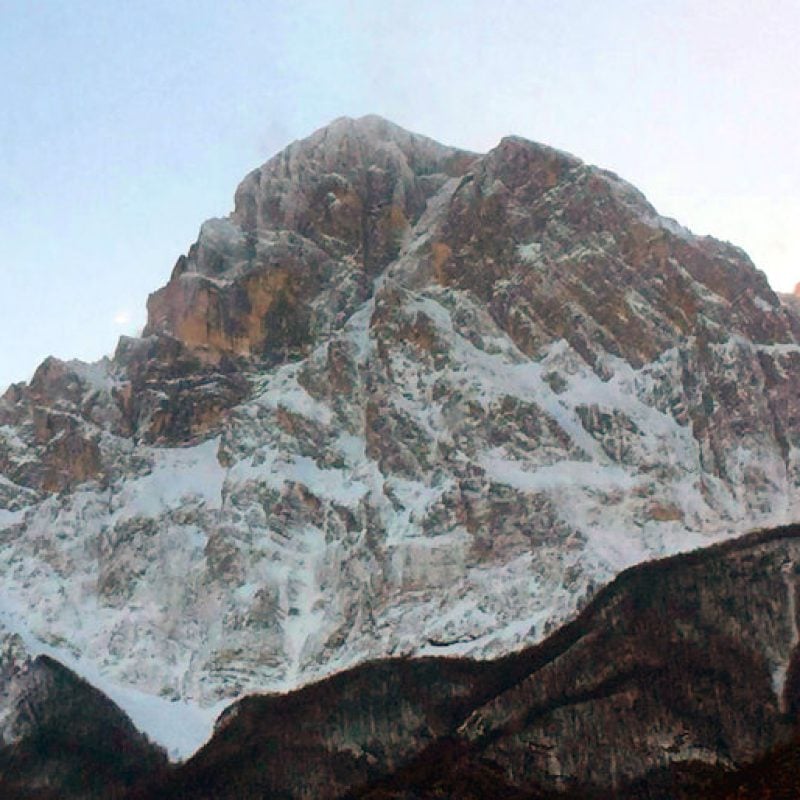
(124, 125)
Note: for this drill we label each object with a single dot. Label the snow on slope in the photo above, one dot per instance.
(206, 590)
(179, 727)
(450, 467)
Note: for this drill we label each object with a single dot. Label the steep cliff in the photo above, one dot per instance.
(404, 400)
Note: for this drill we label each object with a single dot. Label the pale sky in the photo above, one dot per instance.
(125, 125)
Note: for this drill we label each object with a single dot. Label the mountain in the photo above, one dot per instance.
(405, 399)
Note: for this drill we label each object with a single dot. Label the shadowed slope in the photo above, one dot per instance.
(67, 739)
(674, 673)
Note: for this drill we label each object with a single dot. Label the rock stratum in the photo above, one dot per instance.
(403, 400)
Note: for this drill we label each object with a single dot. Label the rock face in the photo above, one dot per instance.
(676, 675)
(404, 399)
(309, 230)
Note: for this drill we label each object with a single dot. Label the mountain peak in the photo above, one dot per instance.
(317, 223)
(398, 378)
(367, 124)
(357, 142)
(320, 219)
(370, 127)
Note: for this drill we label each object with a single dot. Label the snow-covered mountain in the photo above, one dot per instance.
(404, 399)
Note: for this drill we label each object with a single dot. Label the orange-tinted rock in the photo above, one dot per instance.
(211, 321)
(562, 250)
(173, 394)
(309, 229)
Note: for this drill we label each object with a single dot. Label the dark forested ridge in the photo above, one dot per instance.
(71, 740)
(679, 680)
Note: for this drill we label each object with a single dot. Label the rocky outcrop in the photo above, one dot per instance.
(792, 300)
(168, 393)
(403, 400)
(309, 229)
(52, 427)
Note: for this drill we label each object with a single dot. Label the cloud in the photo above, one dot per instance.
(122, 317)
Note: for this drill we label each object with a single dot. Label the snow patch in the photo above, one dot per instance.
(9, 518)
(274, 468)
(96, 375)
(284, 391)
(554, 477)
(762, 305)
(178, 476)
(530, 252)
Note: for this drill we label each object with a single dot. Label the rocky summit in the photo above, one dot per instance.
(404, 399)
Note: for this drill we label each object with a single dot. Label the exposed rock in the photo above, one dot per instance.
(308, 229)
(792, 300)
(169, 394)
(404, 399)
